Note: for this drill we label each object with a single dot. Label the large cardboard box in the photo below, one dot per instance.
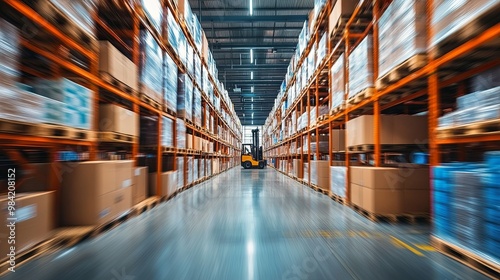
(139, 185)
(189, 138)
(356, 194)
(111, 61)
(338, 140)
(131, 74)
(197, 143)
(410, 129)
(168, 182)
(95, 192)
(298, 171)
(205, 47)
(34, 213)
(382, 201)
(360, 131)
(113, 118)
(37, 177)
(342, 8)
(416, 201)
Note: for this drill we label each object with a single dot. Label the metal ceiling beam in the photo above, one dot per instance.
(208, 28)
(284, 9)
(253, 67)
(258, 37)
(286, 18)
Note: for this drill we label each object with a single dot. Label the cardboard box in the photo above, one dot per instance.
(168, 182)
(34, 213)
(197, 143)
(37, 178)
(139, 185)
(342, 8)
(416, 201)
(122, 201)
(410, 129)
(356, 194)
(338, 140)
(124, 173)
(111, 61)
(205, 47)
(360, 131)
(113, 118)
(409, 177)
(382, 201)
(189, 138)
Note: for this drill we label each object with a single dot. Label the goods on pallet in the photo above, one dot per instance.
(185, 97)
(474, 107)
(316, 112)
(486, 80)
(168, 183)
(340, 12)
(320, 174)
(361, 67)
(386, 190)
(306, 172)
(394, 129)
(337, 90)
(113, 118)
(297, 169)
(338, 140)
(139, 184)
(466, 202)
(148, 131)
(197, 69)
(197, 107)
(321, 50)
(338, 179)
(154, 12)
(402, 33)
(449, 17)
(323, 143)
(78, 12)
(180, 172)
(190, 59)
(35, 220)
(175, 36)
(9, 54)
(189, 141)
(311, 62)
(180, 141)
(112, 62)
(167, 138)
(151, 67)
(170, 82)
(95, 192)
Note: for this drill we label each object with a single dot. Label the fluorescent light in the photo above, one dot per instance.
(252, 100)
(251, 7)
(251, 75)
(252, 88)
(251, 55)
(252, 115)
(252, 106)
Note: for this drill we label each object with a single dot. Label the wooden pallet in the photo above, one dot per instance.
(150, 101)
(475, 129)
(384, 147)
(168, 149)
(169, 111)
(360, 96)
(337, 109)
(393, 97)
(338, 31)
(339, 199)
(109, 136)
(119, 84)
(64, 23)
(15, 127)
(404, 69)
(45, 130)
(466, 257)
(392, 218)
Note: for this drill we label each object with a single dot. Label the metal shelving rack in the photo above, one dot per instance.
(127, 40)
(443, 76)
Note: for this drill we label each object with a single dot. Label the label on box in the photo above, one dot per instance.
(126, 183)
(26, 213)
(104, 213)
(137, 172)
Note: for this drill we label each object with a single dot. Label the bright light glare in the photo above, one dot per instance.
(251, 55)
(252, 88)
(251, 75)
(251, 7)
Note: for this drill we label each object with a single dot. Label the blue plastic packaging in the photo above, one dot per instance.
(493, 231)
(442, 186)
(420, 158)
(492, 214)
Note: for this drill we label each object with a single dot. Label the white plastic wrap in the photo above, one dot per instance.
(361, 67)
(79, 12)
(180, 140)
(321, 50)
(167, 137)
(338, 83)
(150, 73)
(154, 12)
(185, 97)
(402, 33)
(197, 107)
(9, 54)
(180, 172)
(170, 83)
(338, 180)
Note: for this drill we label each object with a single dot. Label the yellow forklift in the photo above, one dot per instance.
(251, 154)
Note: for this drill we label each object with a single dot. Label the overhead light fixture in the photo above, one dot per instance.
(252, 115)
(252, 99)
(251, 75)
(252, 88)
(251, 7)
(251, 56)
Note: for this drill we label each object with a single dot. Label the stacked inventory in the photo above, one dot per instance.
(361, 68)
(151, 68)
(185, 97)
(170, 83)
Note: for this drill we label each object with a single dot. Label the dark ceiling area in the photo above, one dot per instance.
(270, 33)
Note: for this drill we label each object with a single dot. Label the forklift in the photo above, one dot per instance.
(251, 154)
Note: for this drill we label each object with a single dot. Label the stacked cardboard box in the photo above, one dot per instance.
(341, 10)
(113, 118)
(394, 129)
(96, 192)
(338, 140)
(338, 83)
(139, 185)
(168, 183)
(384, 190)
(34, 214)
(114, 63)
(320, 174)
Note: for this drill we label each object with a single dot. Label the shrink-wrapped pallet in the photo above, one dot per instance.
(361, 67)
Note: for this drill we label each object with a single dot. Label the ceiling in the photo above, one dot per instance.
(271, 32)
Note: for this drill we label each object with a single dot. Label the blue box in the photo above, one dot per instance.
(493, 231)
(493, 248)
(420, 158)
(442, 197)
(492, 214)
(492, 196)
(442, 186)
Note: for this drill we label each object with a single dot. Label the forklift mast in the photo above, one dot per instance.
(256, 151)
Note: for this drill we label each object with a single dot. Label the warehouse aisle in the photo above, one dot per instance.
(251, 224)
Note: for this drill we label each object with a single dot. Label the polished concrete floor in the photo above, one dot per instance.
(251, 224)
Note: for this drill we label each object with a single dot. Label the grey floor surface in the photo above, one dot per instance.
(251, 224)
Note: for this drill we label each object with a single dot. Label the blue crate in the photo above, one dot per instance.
(493, 248)
(442, 210)
(442, 197)
(491, 180)
(492, 158)
(443, 186)
(420, 158)
(493, 231)
(491, 196)
(492, 214)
